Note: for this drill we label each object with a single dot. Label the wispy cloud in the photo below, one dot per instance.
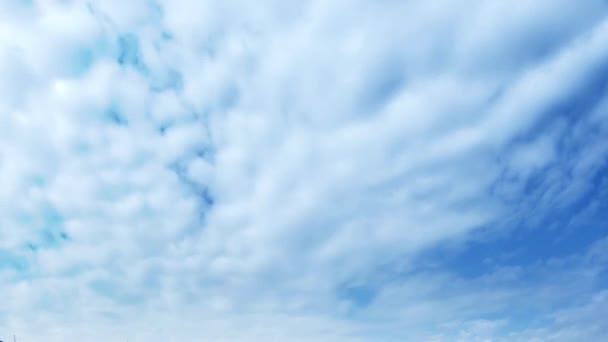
(328, 171)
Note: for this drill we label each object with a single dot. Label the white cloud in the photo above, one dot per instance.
(256, 158)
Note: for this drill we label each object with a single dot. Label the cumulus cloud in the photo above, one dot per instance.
(203, 170)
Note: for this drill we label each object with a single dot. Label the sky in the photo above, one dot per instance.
(361, 170)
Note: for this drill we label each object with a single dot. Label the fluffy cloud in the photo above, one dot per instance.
(201, 170)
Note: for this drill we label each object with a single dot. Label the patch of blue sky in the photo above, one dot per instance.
(586, 94)
(202, 192)
(535, 230)
(49, 228)
(103, 287)
(82, 58)
(11, 260)
(51, 233)
(166, 79)
(229, 96)
(129, 53)
(73, 270)
(115, 292)
(360, 295)
(25, 3)
(553, 211)
(166, 36)
(81, 148)
(38, 180)
(113, 115)
(161, 78)
(112, 193)
(382, 85)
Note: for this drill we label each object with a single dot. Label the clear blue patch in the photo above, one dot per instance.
(82, 60)
(114, 116)
(48, 239)
(73, 271)
(14, 261)
(382, 86)
(111, 290)
(202, 192)
(50, 233)
(24, 219)
(52, 217)
(82, 148)
(129, 52)
(103, 287)
(590, 91)
(166, 36)
(538, 229)
(359, 295)
(553, 212)
(170, 79)
(162, 129)
(32, 247)
(112, 193)
(229, 97)
(38, 180)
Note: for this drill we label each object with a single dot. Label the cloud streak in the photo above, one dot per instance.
(345, 171)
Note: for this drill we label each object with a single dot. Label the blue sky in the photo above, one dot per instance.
(181, 170)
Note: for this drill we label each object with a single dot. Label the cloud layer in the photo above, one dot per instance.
(330, 171)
